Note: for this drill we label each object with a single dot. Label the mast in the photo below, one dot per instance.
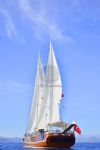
(51, 79)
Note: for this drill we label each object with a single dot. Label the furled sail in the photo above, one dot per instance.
(38, 97)
(52, 92)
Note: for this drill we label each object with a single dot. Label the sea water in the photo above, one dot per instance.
(77, 146)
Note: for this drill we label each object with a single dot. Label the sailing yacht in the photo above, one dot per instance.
(45, 127)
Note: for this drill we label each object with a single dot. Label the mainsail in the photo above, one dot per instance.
(53, 81)
(52, 93)
(38, 97)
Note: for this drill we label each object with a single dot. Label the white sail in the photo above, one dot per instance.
(52, 93)
(38, 97)
(45, 112)
(54, 83)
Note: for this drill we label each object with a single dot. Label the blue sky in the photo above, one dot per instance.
(26, 27)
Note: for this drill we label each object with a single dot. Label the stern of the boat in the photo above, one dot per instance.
(61, 140)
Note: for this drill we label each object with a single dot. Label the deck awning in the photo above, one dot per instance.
(58, 124)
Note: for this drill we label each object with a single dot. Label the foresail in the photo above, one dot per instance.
(38, 97)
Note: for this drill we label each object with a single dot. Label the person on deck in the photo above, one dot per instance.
(42, 133)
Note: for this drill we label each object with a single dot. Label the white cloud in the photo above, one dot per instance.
(12, 87)
(9, 24)
(42, 21)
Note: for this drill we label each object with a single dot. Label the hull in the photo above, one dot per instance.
(53, 141)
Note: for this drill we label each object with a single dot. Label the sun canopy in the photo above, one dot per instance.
(58, 124)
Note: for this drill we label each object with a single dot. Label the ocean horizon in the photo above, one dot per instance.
(79, 139)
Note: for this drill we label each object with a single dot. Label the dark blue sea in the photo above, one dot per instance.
(77, 146)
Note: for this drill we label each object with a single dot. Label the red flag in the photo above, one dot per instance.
(62, 95)
(77, 129)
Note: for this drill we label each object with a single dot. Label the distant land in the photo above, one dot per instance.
(79, 139)
(10, 139)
